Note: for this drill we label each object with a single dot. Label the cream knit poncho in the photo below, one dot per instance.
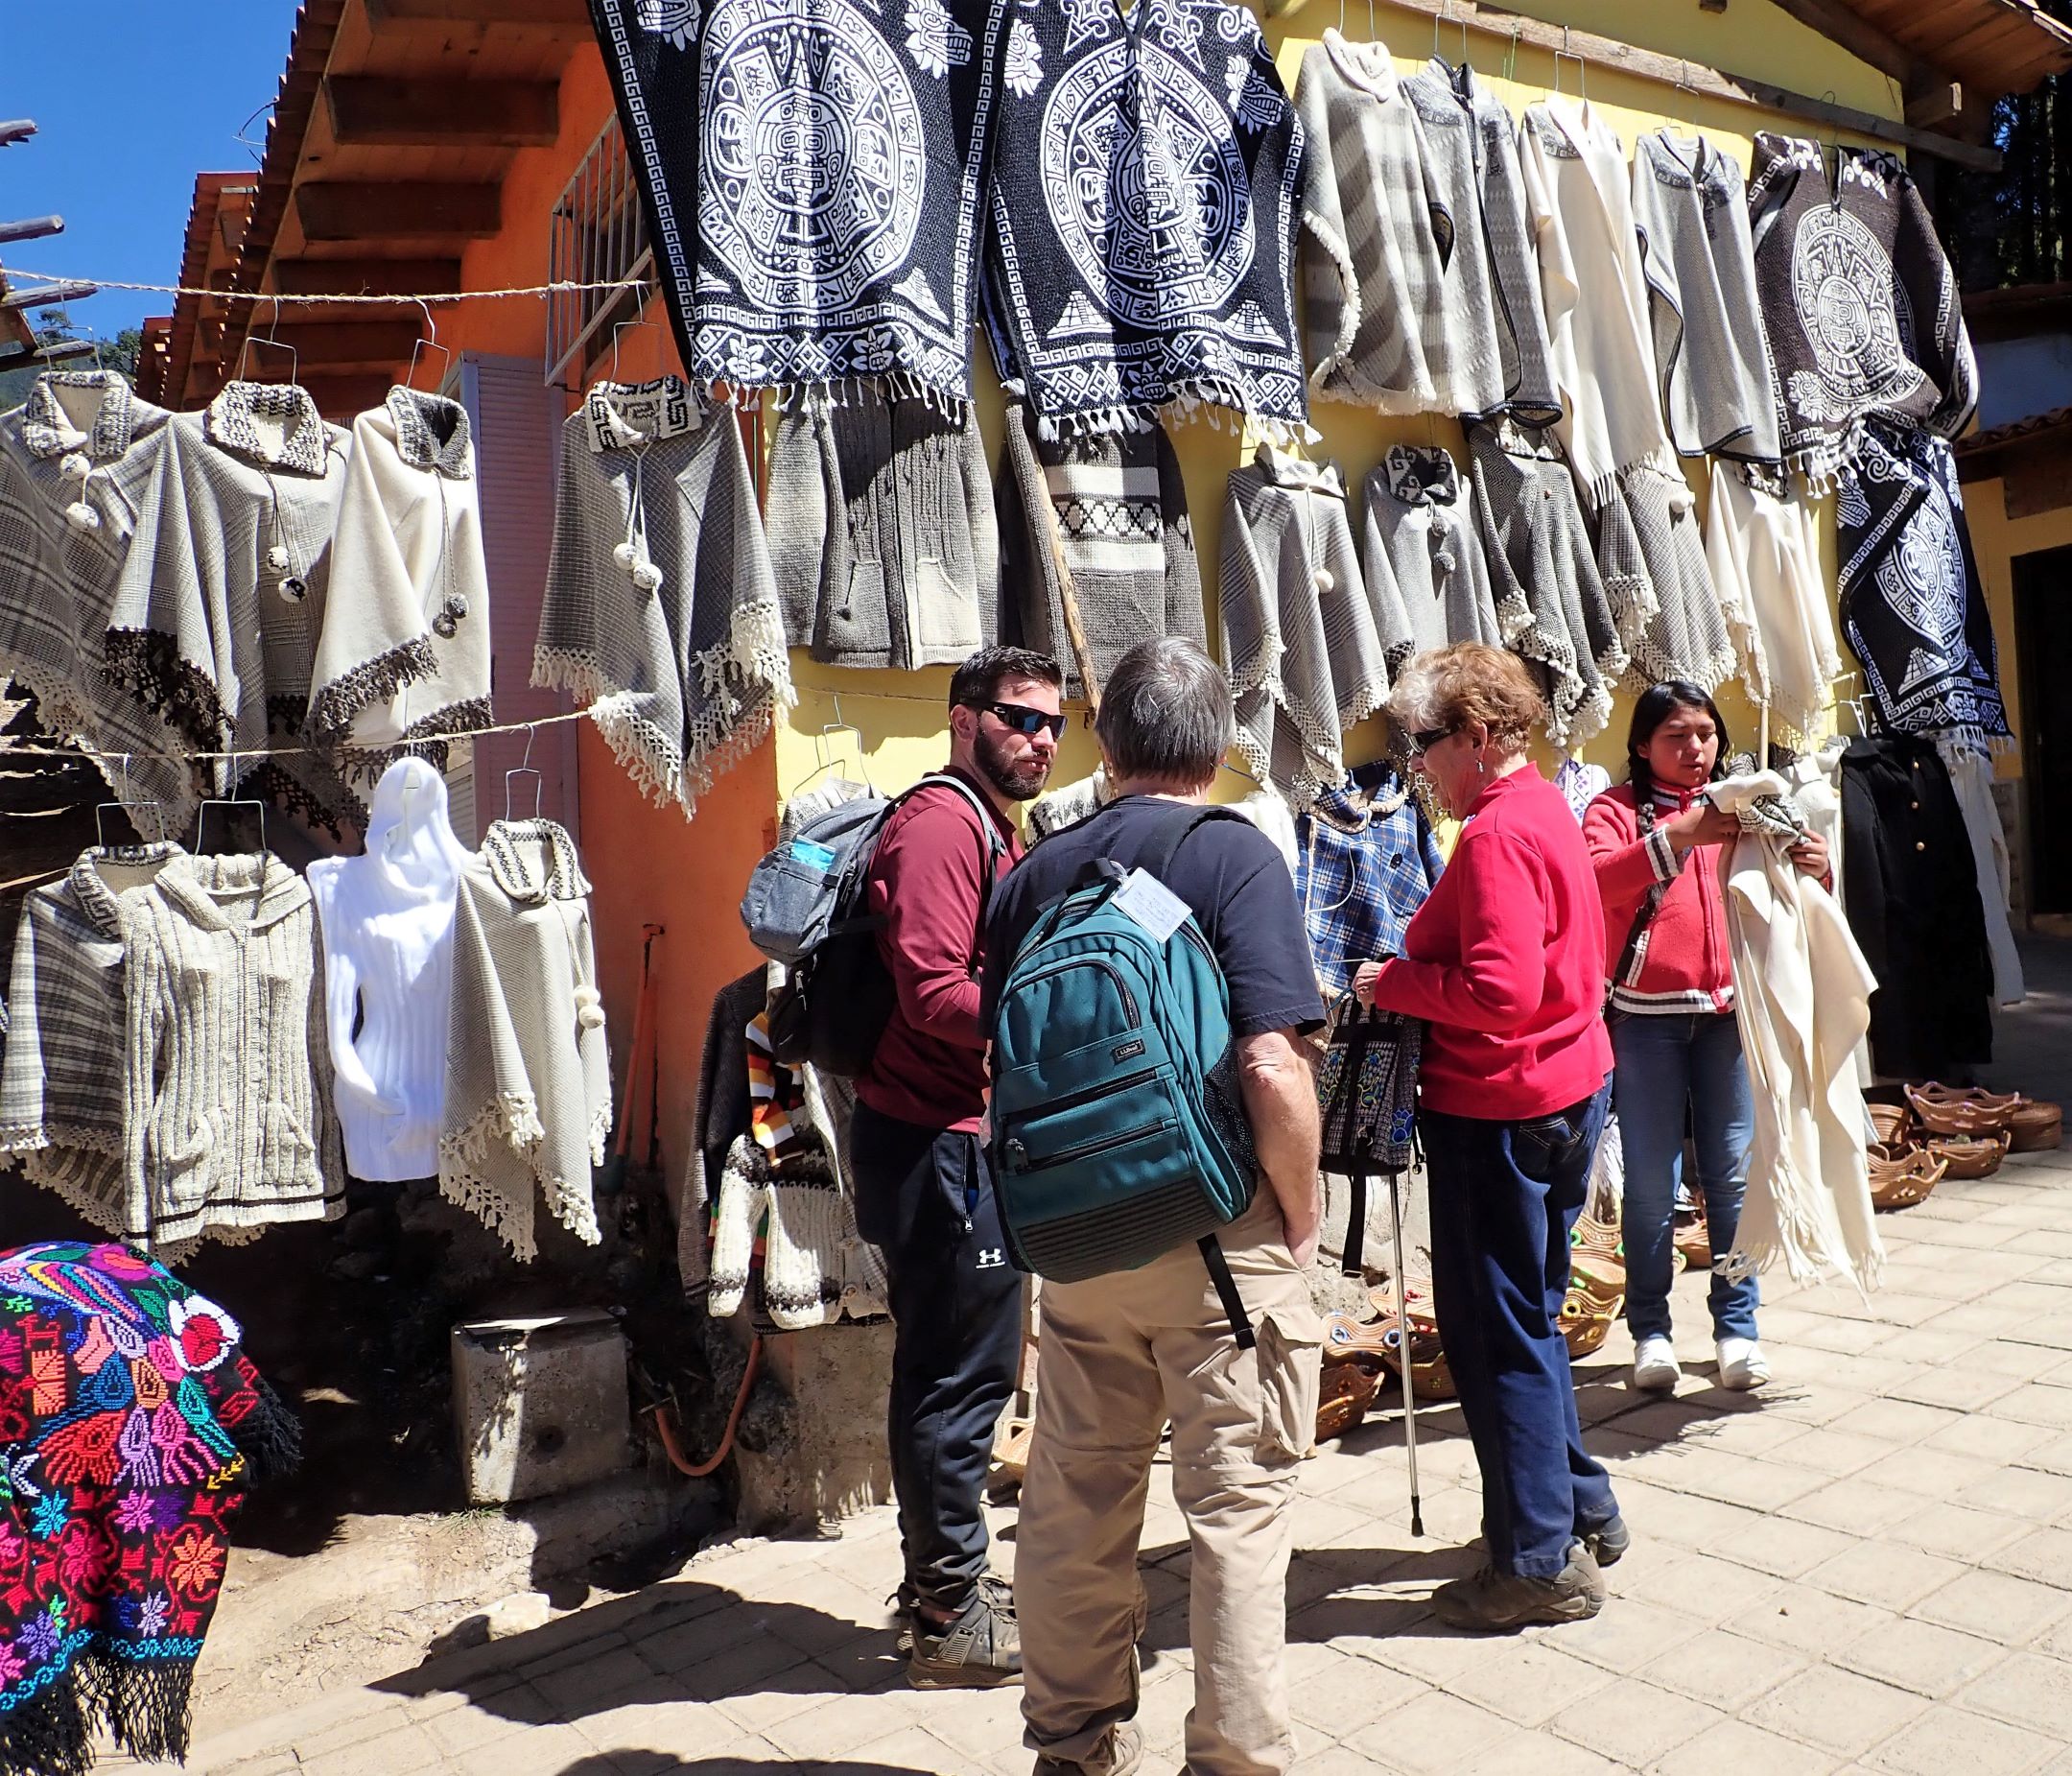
(528, 1072)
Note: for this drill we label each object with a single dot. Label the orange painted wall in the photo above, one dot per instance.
(645, 863)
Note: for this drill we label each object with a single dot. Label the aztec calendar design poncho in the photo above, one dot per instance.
(1143, 210)
(131, 1425)
(812, 171)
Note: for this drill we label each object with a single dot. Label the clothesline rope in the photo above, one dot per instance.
(283, 300)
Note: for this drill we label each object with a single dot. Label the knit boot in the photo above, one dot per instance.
(805, 1237)
(743, 1197)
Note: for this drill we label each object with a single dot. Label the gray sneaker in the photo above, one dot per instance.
(980, 1649)
(1495, 1602)
(1122, 1754)
(1608, 1542)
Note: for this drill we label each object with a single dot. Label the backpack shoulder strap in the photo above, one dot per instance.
(1160, 860)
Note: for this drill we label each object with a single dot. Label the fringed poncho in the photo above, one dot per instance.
(1763, 548)
(1145, 202)
(131, 1426)
(814, 176)
(1861, 308)
(661, 610)
(1422, 557)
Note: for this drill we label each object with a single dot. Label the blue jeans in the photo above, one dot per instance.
(1504, 1196)
(1664, 1063)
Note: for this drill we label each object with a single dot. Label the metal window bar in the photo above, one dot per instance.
(596, 234)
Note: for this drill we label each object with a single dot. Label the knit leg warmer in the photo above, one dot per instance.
(744, 1196)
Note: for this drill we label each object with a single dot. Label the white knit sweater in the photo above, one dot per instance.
(226, 1119)
(387, 921)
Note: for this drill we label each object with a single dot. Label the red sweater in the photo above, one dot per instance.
(1506, 960)
(926, 879)
(1682, 963)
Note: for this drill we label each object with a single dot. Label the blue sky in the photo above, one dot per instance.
(133, 98)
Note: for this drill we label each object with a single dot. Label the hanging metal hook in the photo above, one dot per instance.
(640, 320)
(294, 358)
(525, 770)
(422, 343)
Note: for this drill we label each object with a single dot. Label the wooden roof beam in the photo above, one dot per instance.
(17, 130)
(562, 18)
(371, 111)
(33, 229)
(418, 210)
(48, 295)
(401, 279)
(330, 346)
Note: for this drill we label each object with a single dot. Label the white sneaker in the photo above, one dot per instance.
(1742, 1365)
(1655, 1366)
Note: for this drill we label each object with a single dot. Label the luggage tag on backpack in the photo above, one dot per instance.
(1146, 901)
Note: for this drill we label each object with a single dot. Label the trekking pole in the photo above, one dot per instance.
(1403, 1327)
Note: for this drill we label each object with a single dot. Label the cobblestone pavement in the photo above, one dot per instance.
(1867, 1566)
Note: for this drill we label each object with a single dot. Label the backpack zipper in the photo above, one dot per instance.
(1123, 987)
(1088, 1094)
(1085, 1149)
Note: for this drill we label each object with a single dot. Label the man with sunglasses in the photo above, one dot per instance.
(924, 1191)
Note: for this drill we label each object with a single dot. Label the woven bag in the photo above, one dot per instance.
(1950, 1110)
(2036, 1127)
(1970, 1156)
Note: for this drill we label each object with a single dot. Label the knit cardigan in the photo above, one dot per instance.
(388, 920)
(223, 595)
(1763, 548)
(1859, 303)
(405, 648)
(227, 1118)
(1106, 513)
(1579, 198)
(74, 460)
(1144, 204)
(887, 554)
(1698, 260)
(813, 173)
(61, 1098)
(661, 610)
(1375, 247)
(1299, 638)
(1423, 558)
(528, 1072)
(1472, 164)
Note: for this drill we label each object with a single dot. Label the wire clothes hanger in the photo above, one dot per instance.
(251, 338)
(228, 803)
(423, 343)
(618, 328)
(1565, 54)
(128, 804)
(1443, 16)
(525, 768)
(827, 758)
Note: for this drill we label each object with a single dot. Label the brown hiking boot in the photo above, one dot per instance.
(1122, 1754)
(1493, 1601)
(980, 1649)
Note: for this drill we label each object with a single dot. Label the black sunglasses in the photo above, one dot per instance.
(1425, 740)
(1025, 720)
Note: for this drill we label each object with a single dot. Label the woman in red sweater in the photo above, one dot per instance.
(1656, 844)
(1506, 961)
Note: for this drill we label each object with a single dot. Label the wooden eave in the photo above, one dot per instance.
(1991, 46)
(396, 123)
(215, 227)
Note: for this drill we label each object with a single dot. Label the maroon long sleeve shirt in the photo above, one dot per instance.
(929, 879)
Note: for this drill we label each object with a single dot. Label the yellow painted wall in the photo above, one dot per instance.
(1997, 539)
(900, 713)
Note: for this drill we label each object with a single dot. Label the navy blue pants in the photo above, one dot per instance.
(924, 1197)
(1504, 1196)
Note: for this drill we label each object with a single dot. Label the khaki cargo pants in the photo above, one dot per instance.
(1121, 1354)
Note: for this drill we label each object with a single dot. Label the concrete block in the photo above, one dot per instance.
(539, 1404)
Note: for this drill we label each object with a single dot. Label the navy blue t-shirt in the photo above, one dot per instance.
(1232, 876)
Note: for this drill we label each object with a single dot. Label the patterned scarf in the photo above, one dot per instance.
(1911, 602)
(1144, 216)
(1858, 299)
(813, 173)
(131, 1425)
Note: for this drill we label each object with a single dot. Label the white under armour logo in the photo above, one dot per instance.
(991, 1258)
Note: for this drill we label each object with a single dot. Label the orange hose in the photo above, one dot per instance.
(700, 1470)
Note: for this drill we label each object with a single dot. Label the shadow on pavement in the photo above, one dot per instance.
(662, 1763)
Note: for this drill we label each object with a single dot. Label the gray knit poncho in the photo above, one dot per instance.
(884, 549)
(661, 608)
(528, 1074)
(1299, 637)
(1105, 512)
(1422, 557)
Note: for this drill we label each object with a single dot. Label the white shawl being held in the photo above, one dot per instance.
(1802, 997)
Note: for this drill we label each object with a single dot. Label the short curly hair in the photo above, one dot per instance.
(1455, 687)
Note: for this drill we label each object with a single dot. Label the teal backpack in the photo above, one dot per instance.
(1112, 1018)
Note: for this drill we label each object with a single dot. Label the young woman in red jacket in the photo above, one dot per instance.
(1655, 840)
(1506, 960)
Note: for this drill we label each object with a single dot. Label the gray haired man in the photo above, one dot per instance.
(1124, 1353)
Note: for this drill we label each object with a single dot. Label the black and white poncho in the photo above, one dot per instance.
(1911, 602)
(813, 173)
(1144, 205)
(1858, 300)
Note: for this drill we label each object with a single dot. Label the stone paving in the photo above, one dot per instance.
(1868, 1566)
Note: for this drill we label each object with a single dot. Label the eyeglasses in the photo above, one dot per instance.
(1025, 720)
(1425, 740)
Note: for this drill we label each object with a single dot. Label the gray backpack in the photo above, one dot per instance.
(805, 908)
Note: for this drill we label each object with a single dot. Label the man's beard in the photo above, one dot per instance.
(1019, 780)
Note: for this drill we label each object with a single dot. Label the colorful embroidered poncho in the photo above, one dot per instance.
(131, 1425)
(1144, 204)
(813, 175)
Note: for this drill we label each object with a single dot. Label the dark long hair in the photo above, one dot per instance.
(1656, 705)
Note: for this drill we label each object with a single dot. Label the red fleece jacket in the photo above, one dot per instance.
(1682, 963)
(1506, 960)
(927, 879)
